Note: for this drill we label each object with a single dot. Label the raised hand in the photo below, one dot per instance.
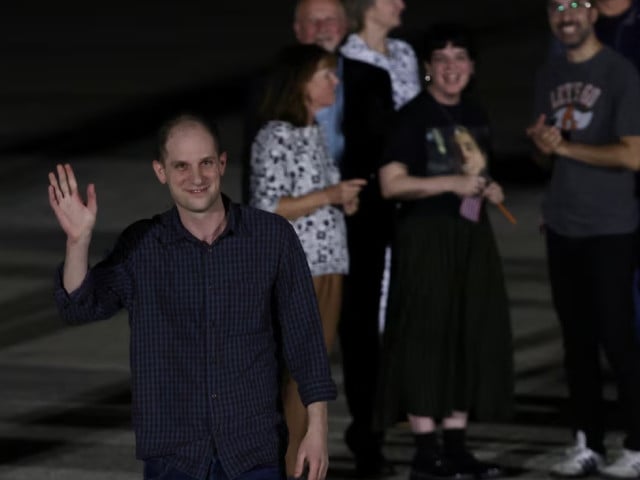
(76, 218)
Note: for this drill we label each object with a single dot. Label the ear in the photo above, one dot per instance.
(158, 168)
(222, 159)
(297, 29)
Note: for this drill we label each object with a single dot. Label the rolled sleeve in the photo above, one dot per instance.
(304, 350)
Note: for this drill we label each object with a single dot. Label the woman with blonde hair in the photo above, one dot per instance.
(371, 21)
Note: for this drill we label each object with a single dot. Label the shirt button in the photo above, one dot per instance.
(214, 396)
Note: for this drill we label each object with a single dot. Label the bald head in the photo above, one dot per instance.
(181, 123)
(322, 22)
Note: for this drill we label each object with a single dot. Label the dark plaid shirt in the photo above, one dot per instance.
(209, 325)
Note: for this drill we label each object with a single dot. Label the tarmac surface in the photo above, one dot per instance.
(85, 88)
(64, 411)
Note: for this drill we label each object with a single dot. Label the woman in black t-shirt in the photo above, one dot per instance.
(447, 343)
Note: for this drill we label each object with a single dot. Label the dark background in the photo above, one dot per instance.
(80, 78)
(89, 84)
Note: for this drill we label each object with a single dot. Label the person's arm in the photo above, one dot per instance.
(493, 192)
(548, 141)
(272, 161)
(624, 154)
(342, 194)
(313, 449)
(77, 221)
(304, 350)
(84, 294)
(396, 183)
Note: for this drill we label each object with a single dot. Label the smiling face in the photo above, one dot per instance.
(192, 168)
(322, 22)
(450, 69)
(572, 21)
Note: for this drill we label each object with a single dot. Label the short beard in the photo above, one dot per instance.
(577, 43)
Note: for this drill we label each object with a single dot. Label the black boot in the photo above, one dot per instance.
(463, 461)
(429, 463)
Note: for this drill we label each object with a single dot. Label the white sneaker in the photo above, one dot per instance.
(579, 461)
(627, 465)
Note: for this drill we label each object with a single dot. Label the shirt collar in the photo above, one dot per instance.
(355, 48)
(175, 230)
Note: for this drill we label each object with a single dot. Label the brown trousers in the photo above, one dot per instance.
(329, 294)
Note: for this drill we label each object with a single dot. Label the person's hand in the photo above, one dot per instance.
(313, 453)
(350, 208)
(345, 192)
(493, 192)
(468, 185)
(76, 219)
(546, 138)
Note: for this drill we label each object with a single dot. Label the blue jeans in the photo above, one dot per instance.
(158, 469)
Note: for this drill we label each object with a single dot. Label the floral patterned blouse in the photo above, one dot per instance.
(288, 161)
(401, 63)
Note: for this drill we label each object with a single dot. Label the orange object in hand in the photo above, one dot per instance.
(506, 213)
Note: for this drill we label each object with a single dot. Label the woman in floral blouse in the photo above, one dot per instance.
(293, 175)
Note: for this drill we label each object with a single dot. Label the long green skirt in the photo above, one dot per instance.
(447, 344)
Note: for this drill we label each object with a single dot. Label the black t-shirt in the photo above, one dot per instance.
(426, 137)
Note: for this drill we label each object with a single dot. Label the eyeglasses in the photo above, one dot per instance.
(555, 7)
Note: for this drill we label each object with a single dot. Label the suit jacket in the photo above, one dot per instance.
(368, 110)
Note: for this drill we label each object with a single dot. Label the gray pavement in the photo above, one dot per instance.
(64, 412)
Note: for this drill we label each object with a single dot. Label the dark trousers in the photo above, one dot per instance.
(590, 280)
(359, 331)
(636, 299)
(158, 469)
